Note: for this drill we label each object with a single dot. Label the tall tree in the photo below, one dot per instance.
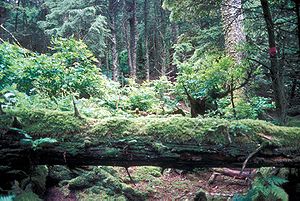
(232, 18)
(112, 11)
(276, 70)
(147, 63)
(133, 35)
(82, 19)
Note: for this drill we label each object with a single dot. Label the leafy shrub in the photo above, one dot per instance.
(253, 108)
(70, 69)
(209, 75)
(153, 96)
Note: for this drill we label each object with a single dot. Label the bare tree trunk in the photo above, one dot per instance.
(112, 15)
(125, 33)
(232, 18)
(133, 36)
(17, 15)
(275, 70)
(147, 64)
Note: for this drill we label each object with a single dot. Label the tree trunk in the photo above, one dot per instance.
(133, 35)
(126, 36)
(232, 17)
(140, 151)
(276, 70)
(17, 15)
(147, 64)
(163, 46)
(112, 15)
(175, 142)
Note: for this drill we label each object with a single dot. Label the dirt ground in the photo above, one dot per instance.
(173, 185)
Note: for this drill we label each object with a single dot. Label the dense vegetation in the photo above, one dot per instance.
(120, 60)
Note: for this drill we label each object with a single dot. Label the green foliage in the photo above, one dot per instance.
(42, 142)
(7, 197)
(27, 196)
(81, 19)
(253, 108)
(209, 75)
(69, 70)
(142, 98)
(153, 96)
(266, 188)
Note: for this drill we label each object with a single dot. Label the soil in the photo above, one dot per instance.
(174, 185)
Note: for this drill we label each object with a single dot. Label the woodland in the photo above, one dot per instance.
(149, 100)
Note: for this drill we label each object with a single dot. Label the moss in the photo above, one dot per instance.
(267, 132)
(89, 195)
(27, 196)
(101, 181)
(147, 173)
(175, 129)
(5, 122)
(111, 151)
(37, 180)
(59, 173)
(48, 121)
(155, 130)
(294, 121)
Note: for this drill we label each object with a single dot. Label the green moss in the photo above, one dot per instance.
(111, 151)
(101, 181)
(267, 132)
(44, 122)
(146, 173)
(27, 196)
(5, 122)
(294, 121)
(175, 129)
(156, 130)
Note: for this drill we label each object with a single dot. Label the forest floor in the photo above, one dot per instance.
(177, 185)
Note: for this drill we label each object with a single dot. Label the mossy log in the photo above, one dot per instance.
(168, 142)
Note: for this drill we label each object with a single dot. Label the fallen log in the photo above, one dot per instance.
(59, 138)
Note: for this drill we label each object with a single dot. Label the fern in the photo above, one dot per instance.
(7, 197)
(267, 188)
(279, 193)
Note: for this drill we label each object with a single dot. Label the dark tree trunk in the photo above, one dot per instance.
(276, 70)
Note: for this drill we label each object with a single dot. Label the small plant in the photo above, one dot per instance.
(265, 188)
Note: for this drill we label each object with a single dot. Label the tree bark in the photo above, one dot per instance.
(126, 35)
(232, 17)
(112, 15)
(147, 64)
(17, 15)
(276, 70)
(133, 35)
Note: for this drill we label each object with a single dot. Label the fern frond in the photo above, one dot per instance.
(7, 197)
(279, 193)
(274, 180)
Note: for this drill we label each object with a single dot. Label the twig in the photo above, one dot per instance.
(132, 181)
(10, 34)
(250, 156)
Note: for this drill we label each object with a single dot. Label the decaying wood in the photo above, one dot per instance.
(140, 152)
